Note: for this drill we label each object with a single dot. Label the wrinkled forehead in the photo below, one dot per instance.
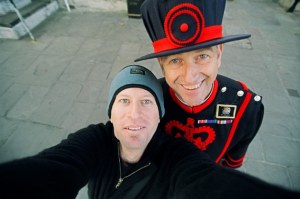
(211, 48)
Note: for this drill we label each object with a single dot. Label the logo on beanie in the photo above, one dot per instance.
(184, 24)
(137, 71)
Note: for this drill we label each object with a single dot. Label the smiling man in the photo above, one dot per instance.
(192, 74)
(219, 115)
(129, 157)
(135, 118)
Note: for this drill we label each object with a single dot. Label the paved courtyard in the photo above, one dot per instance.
(58, 84)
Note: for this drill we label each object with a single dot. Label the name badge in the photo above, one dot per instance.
(226, 111)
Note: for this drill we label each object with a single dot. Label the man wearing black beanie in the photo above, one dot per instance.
(128, 157)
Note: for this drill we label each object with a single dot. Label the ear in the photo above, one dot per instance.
(160, 62)
(220, 52)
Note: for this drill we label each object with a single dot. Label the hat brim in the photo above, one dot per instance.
(195, 47)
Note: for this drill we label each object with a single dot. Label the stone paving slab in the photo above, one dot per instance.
(59, 83)
(57, 104)
(28, 139)
(11, 96)
(28, 103)
(267, 170)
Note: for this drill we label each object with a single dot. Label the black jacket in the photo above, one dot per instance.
(169, 168)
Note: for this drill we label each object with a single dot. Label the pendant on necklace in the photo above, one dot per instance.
(119, 182)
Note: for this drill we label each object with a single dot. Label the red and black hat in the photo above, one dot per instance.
(177, 26)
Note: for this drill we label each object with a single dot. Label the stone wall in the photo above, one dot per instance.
(287, 3)
(94, 5)
(5, 6)
(117, 5)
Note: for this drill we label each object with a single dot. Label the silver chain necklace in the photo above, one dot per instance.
(120, 170)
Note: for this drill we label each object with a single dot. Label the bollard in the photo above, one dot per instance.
(133, 7)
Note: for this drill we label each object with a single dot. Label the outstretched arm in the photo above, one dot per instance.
(57, 172)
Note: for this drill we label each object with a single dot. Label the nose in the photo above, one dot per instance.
(134, 110)
(190, 71)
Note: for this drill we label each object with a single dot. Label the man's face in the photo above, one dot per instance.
(135, 118)
(192, 74)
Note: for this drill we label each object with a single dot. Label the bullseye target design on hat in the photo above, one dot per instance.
(183, 24)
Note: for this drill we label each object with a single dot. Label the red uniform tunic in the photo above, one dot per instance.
(223, 126)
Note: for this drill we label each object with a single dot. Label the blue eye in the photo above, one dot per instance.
(175, 61)
(124, 101)
(147, 101)
(203, 56)
(203, 59)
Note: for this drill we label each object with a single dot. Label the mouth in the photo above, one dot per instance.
(137, 128)
(192, 87)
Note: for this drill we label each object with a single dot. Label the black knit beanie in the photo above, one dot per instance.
(136, 76)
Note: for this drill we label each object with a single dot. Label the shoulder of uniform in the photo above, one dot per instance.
(231, 83)
(234, 87)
